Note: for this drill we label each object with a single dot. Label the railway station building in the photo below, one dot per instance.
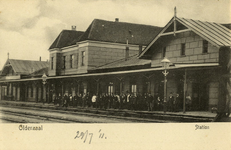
(118, 57)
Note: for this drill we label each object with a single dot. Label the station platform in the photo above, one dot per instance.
(189, 116)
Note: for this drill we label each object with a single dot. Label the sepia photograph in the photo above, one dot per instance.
(101, 73)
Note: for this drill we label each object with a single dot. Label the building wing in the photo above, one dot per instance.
(24, 67)
(217, 34)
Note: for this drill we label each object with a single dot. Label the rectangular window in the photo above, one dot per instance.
(148, 85)
(64, 62)
(183, 49)
(205, 46)
(164, 52)
(28, 91)
(134, 89)
(77, 60)
(83, 58)
(71, 61)
(52, 63)
(31, 92)
(110, 88)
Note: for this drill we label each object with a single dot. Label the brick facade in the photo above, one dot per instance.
(193, 52)
(96, 54)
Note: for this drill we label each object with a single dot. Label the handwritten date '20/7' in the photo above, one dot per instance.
(86, 135)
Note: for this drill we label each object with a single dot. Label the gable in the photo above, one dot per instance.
(214, 33)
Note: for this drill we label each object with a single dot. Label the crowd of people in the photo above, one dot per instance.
(128, 101)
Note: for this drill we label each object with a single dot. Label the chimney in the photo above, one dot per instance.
(116, 19)
(40, 58)
(126, 53)
(73, 28)
(140, 49)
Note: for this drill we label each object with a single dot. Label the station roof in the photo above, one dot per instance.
(66, 38)
(118, 32)
(108, 31)
(132, 61)
(25, 66)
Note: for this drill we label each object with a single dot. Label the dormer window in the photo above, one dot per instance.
(205, 46)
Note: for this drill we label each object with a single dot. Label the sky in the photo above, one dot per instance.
(29, 27)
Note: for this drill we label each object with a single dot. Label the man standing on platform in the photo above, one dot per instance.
(150, 102)
(170, 102)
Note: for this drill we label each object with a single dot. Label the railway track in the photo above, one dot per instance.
(38, 115)
(29, 118)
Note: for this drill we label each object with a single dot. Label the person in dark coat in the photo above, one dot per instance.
(65, 101)
(123, 100)
(150, 102)
(70, 100)
(84, 99)
(155, 101)
(138, 101)
(79, 100)
(128, 101)
(59, 100)
(177, 102)
(104, 99)
(170, 102)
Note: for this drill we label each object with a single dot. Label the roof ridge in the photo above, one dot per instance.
(28, 60)
(59, 38)
(127, 23)
(92, 26)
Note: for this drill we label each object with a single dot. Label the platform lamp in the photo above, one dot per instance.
(44, 78)
(165, 64)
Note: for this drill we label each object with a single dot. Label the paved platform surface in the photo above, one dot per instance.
(190, 116)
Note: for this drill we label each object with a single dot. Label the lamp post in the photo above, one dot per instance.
(44, 78)
(165, 63)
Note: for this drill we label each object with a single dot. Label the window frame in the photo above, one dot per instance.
(205, 47)
(71, 61)
(83, 58)
(64, 62)
(183, 48)
(31, 91)
(77, 60)
(52, 63)
(110, 88)
(134, 89)
(164, 52)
